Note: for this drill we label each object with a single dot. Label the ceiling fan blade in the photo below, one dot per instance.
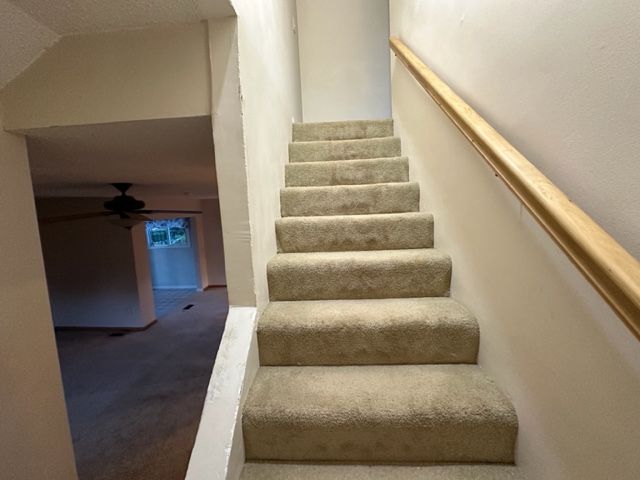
(76, 216)
(135, 216)
(190, 212)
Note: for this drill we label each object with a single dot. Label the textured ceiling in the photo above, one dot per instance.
(28, 27)
(22, 40)
(67, 17)
(172, 157)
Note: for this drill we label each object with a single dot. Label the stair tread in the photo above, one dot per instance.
(302, 313)
(361, 332)
(325, 150)
(342, 130)
(344, 122)
(401, 255)
(420, 272)
(354, 187)
(347, 172)
(350, 199)
(382, 413)
(279, 471)
(384, 231)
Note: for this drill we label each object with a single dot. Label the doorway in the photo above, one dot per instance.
(175, 263)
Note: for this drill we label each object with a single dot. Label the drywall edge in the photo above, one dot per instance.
(218, 452)
(231, 165)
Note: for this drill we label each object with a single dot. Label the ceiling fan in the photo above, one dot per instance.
(130, 210)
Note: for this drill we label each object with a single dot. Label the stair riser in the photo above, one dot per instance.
(348, 172)
(309, 132)
(350, 200)
(344, 150)
(417, 343)
(350, 233)
(325, 280)
(358, 442)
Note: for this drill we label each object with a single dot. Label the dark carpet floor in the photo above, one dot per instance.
(134, 401)
(167, 300)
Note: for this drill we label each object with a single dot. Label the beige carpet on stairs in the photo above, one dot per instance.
(368, 368)
(265, 471)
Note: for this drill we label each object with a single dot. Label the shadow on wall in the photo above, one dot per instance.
(92, 276)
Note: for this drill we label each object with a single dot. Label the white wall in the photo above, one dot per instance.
(218, 451)
(231, 165)
(146, 302)
(35, 441)
(91, 269)
(201, 256)
(570, 365)
(255, 96)
(344, 59)
(212, 228)
(558, 79)
(270, 83)
(158, 72)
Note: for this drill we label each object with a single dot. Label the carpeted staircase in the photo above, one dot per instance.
(368, 368)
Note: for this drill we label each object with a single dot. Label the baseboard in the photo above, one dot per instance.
(105, 329)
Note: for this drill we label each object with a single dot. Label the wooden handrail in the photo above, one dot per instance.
(613, 271)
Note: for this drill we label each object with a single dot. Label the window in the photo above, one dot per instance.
(172, 233)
